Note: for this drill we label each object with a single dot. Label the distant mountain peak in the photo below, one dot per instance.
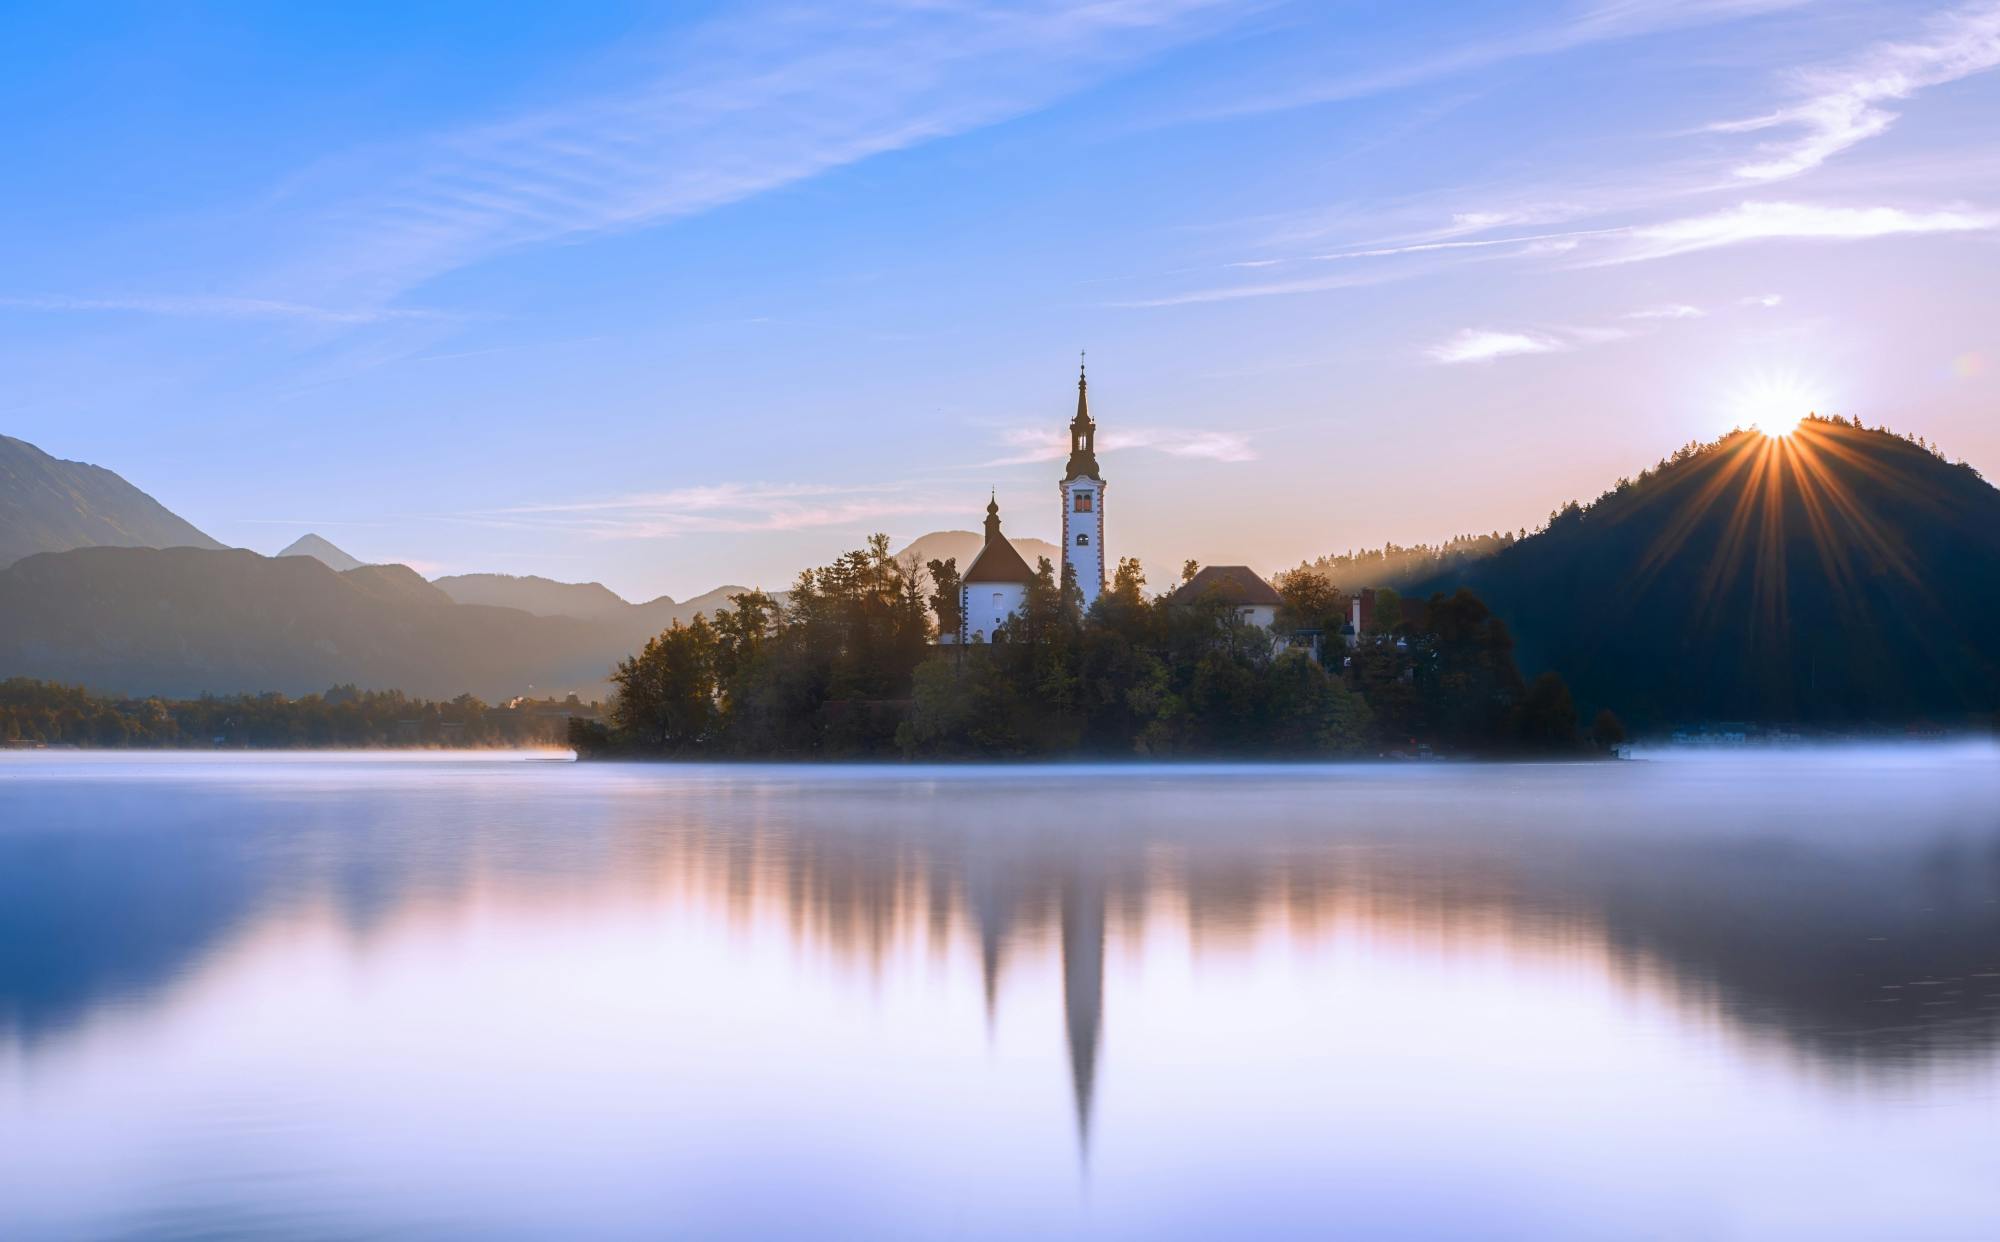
(324, 552)
(51, 505)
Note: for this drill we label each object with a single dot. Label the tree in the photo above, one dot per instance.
(1128, 581)
(946, 597)
(1311, 601)
(1547, 716)
(1607, 731)
(667, 693)
(1189, 568)
(1387, 613)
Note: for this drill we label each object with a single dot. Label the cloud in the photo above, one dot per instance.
(718, 508)
(1599, 22)
(1567, 240)
(206, 307)
(1671, 311)
(751, 103)
(1231, 293)
(1752, 222)
(1038, 444)
(1765, 300)
(1485, 345)
(1529, 245)
(1840, 108)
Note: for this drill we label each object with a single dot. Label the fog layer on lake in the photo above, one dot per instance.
(330, 996)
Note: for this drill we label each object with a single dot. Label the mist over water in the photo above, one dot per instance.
(1747, 994)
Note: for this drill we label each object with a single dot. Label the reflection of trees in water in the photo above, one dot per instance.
(1864, 940)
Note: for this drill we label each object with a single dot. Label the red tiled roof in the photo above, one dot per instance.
(1232, 584)
(998, 561)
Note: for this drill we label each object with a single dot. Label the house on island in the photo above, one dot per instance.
(1256, 602)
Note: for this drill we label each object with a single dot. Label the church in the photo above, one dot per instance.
(995, 585)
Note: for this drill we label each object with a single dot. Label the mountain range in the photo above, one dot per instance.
(1838, 575)
(51, 505)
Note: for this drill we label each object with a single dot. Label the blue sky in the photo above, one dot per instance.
(666, 297)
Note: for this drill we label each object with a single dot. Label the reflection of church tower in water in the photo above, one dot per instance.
(1083, 500)
(995, 895)
(1083, 987)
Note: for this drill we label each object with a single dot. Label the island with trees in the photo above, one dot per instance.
(847, 666)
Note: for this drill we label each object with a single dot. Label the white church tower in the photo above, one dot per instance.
(1083, 500)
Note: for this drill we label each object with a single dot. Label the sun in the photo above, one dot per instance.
(1775, 403)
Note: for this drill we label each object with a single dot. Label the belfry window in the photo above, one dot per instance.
(1083, 541)
(1083, 502)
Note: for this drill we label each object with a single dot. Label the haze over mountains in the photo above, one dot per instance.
(1836, 576)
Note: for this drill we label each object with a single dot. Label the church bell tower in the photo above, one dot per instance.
(1083, 500)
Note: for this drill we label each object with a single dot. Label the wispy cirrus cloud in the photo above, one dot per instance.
(1487, 344)
(752, 103)
(207, 307)
(1673, 310)
(1582, 26)
(718, 508)
(1038, 444)
(1764, 221)
(1840, 107)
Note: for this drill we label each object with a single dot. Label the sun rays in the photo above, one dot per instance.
(1775, 403)
(1763, 495)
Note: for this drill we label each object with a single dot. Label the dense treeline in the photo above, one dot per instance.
(1395, 566)
(1841, 576)
(39, 712)
(846, 667)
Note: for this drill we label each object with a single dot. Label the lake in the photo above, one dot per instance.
(1740, 995)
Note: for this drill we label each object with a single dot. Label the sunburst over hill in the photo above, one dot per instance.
(1834, 574)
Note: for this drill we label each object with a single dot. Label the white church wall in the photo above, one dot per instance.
(987, 604)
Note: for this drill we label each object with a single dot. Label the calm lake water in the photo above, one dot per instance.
(340, 996)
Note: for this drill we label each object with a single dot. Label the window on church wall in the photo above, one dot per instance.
(1083, 502)
(1083, 541)
(997, 597)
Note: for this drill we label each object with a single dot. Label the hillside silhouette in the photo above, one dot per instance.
(51, 505)
(1837, 576)
(545, 597)
(181, 622)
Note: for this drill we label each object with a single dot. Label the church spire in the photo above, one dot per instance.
(1082, 395)
(992, 516)
(1082, 431)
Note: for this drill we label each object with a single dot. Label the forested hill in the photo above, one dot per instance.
(1840, 575)
(51, 505)
(1399, 568)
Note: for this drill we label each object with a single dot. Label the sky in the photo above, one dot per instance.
(673, 296)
